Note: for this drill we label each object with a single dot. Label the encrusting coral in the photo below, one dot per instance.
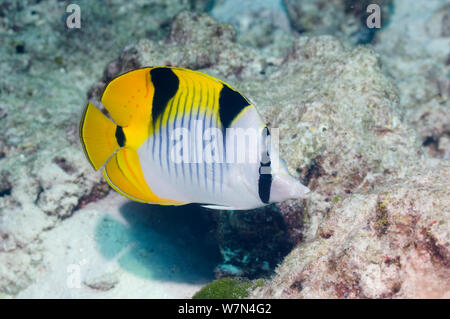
(364, 128)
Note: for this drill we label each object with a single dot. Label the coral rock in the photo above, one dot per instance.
(391, 243)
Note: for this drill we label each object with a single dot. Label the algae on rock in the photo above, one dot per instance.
(228, 288)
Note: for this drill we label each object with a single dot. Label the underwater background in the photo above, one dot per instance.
(364, 119)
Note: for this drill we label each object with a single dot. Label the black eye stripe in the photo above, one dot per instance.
(266, 145)
(264, 183)
(265, 170)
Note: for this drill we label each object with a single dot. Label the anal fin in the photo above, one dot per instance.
(124, 174)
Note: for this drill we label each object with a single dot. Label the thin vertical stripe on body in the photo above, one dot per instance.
(174, 102)
(181, 103)
(203, 135)
(191, 103)
(221, 147)
(197, 115)
(211, 114)
(160, 141)
(183, 116)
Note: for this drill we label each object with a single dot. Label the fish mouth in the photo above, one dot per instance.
(305, 190)
(288, 187)
(301, 190)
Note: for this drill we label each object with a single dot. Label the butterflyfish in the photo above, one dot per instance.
(174, 136)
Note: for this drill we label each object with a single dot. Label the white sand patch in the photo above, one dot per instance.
(117, 249)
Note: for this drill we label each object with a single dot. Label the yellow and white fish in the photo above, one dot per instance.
(168, 140)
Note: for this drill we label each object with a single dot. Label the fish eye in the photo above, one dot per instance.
(266, 139)
(265, 152)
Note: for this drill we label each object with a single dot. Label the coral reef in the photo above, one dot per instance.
(263, 24)
(390, 242)
(415, 53)
(342, 132)
(252, 242)
(44, 175)
(380, 229)
(366, 128)
(195, 42)
(342, 18)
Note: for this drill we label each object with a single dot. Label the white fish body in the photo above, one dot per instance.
(181, 149)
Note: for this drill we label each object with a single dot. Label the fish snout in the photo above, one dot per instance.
(286, 187)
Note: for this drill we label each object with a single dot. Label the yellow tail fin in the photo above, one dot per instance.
(99, 135)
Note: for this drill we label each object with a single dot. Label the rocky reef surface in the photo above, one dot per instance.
(377, 222)
(365, 127)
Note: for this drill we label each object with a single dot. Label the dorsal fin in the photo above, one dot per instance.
(128, 97)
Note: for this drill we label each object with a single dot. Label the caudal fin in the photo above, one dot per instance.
(99, 135)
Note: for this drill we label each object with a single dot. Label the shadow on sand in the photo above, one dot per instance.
(161, 242)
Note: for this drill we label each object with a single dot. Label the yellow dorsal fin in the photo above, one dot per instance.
(128, 97)
(128, 100)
